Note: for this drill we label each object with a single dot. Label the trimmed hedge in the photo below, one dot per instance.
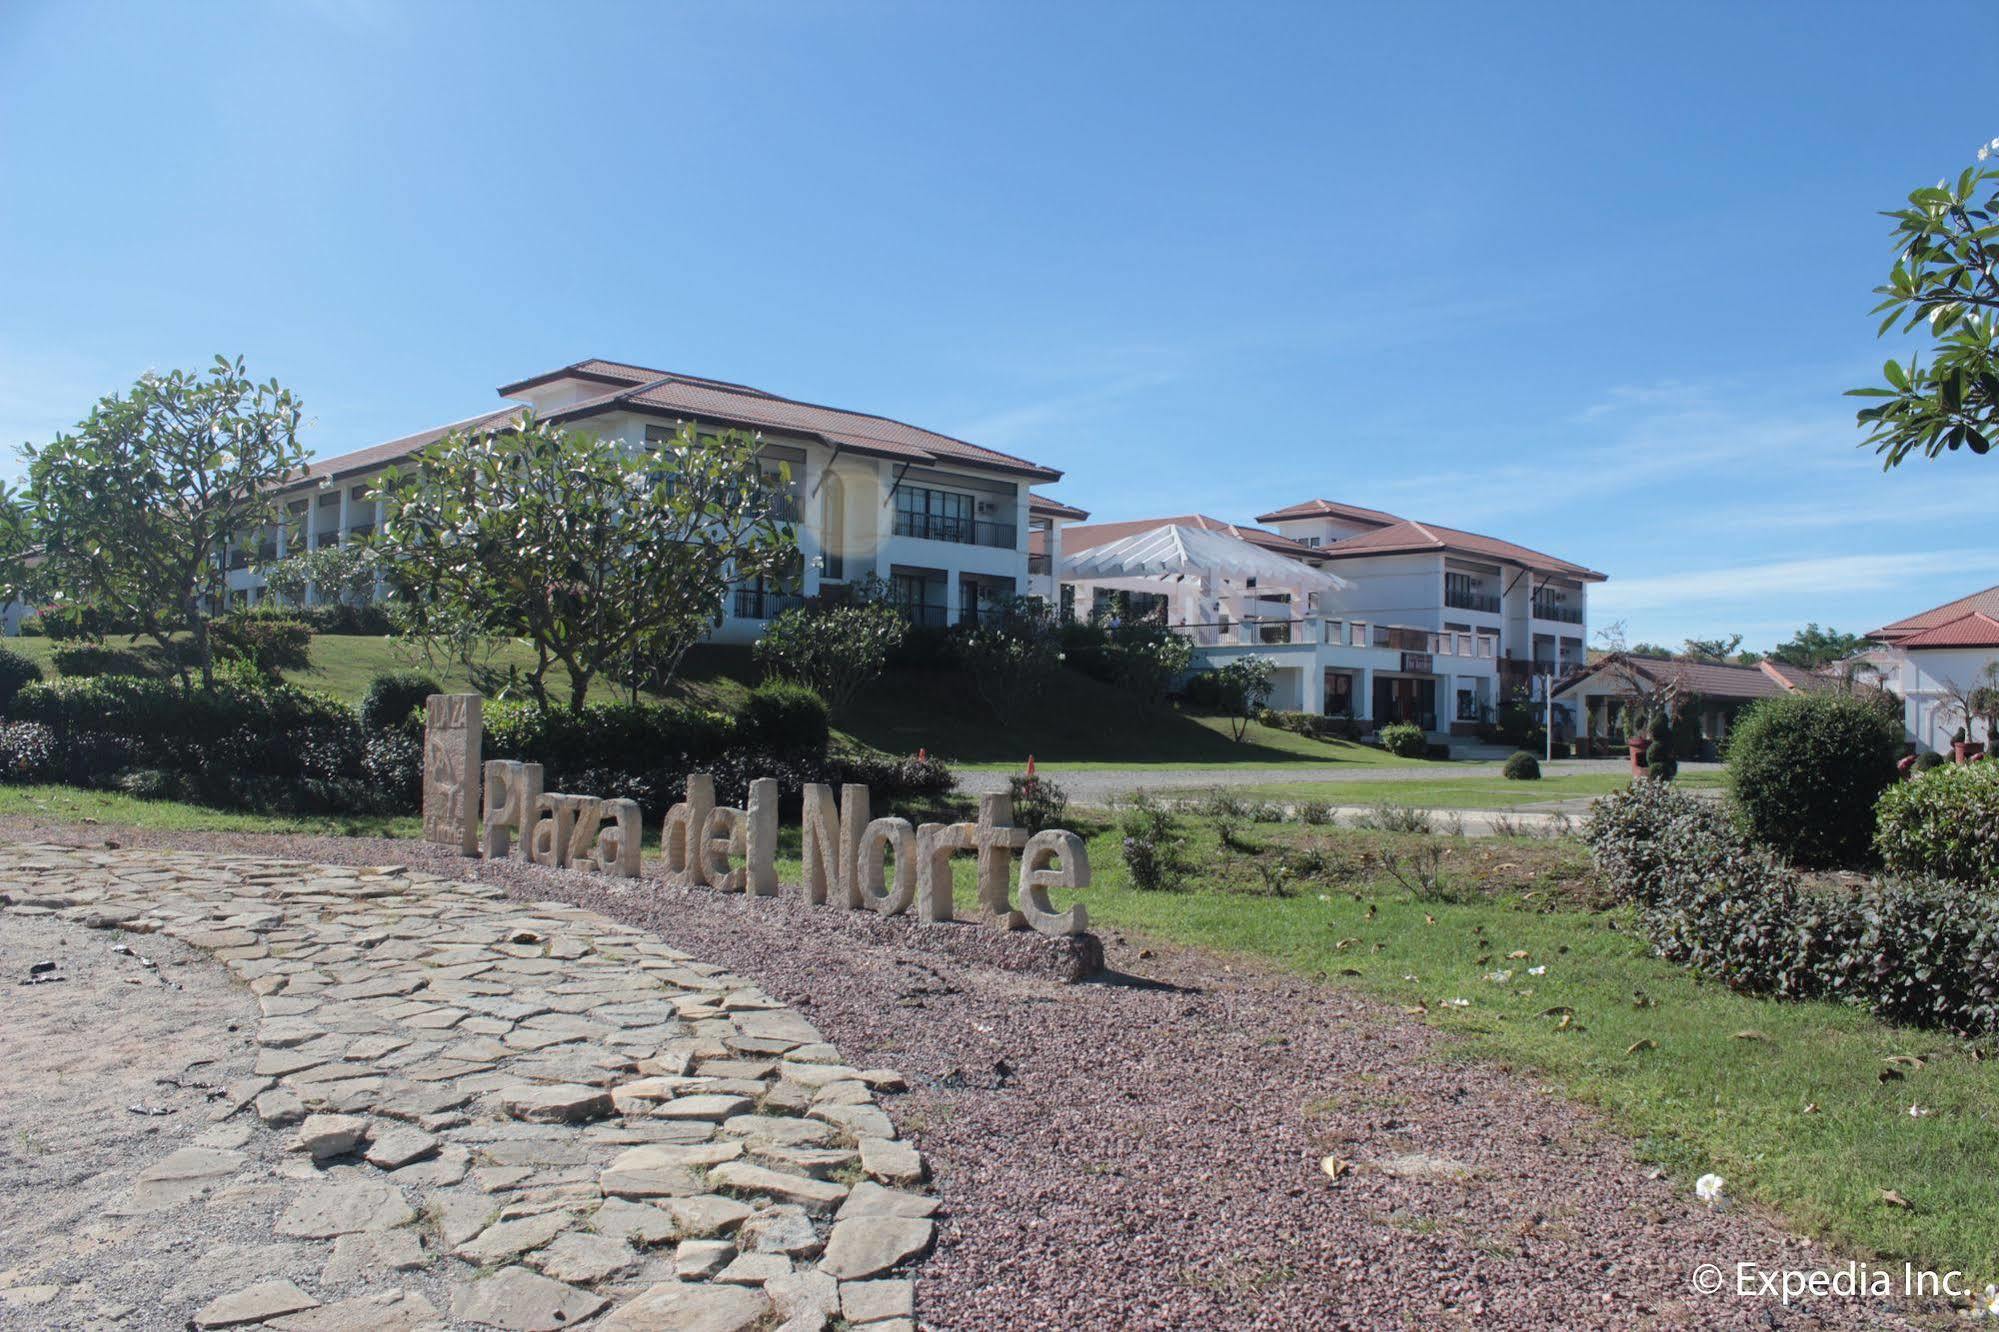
(87, 660)
(1943, 823)
(1918, 952)
(392, 696)
(1806, 769)
(1521, 766)
(16, 671)
(784, 718)
(1404, 738)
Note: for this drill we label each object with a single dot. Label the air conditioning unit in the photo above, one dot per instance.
(988, 506)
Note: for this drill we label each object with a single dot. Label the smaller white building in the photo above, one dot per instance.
(1933, 661)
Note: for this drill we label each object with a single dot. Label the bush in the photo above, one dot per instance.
(1930, 759)
(1946, 825)
(1915, 952)
(1521, 766)
(784, 718)
(392, 763)
(85, 660)
(1806, 769)
(837, 650)
(15, 672)
(1154, 848)
(392, 696)
(29, 754)
(623, 737)
(271, 644)
(1403, 738)
(1038, 802)
(1660, 765)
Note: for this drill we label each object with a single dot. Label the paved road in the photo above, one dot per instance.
(1094, 786)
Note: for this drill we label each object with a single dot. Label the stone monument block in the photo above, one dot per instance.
(877, 839)
(1070, 868)
(512, 803)
(451, 746)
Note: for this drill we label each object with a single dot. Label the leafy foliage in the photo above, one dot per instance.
(1812, 647)
(1921, 953)
(1155, 850)
(604, 559)
(1946, 276)
(269, 644)
(29, 753)
(136, 506)
(1945, 823)
(784, 718)
(1806, 769)
(15, 671)
(393, 696)
(1404, 738)
(1243, 686)
(1012, 655)
(1141, 656)
(836, 649)
(1521, 766)
(343, 573)
(1038, 802)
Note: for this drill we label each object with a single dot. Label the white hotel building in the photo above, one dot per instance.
(944, 522)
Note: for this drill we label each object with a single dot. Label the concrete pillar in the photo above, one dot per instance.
(1363, 695)
(1314, 682)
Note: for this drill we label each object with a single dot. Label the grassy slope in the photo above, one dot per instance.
(73, 805)
(1079, 723)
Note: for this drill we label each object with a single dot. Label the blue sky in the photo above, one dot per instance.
(1588, 277)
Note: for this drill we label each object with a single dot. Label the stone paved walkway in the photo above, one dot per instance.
(497, 1115)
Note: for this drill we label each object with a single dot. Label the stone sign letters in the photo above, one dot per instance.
(846, 852)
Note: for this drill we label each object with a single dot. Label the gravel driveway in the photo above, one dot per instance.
(1147, 1153)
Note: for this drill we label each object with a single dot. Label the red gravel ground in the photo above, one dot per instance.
(1146, 1154)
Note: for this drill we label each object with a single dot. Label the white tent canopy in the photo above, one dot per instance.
(1176, 552)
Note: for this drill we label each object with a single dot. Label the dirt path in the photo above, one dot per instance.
(1148, 1155)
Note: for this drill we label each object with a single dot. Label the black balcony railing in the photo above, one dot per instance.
(1548, 610)
(1037, 564)
(1472, 601)
(964, 531)
(755, 603)
(924, 615)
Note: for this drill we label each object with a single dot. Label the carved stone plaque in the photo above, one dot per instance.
(451, 740)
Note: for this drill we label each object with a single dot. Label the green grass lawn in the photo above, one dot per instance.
(1784, 1100)
(1452, 792)
(71, 804)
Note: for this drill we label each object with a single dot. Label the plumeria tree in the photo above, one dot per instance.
(1946, 279)
(137, 506)
(837, 648)
(604, 559)
(1244, 686)
(347, 572)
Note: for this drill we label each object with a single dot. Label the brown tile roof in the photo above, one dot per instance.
(1320, 508)
(1042, 506)
(1709, 679)
(1974, 630)
(1408, 535)
(379, 455)
(1984, 603)
(1091, 535)
(691, 397)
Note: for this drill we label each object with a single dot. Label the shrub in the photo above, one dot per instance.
(1946, 825)
(1012, 655)
(15, 672)
(837, 650)
(1806, 769)
(392, 763)
(1154, 848)
(1928, 759)
(85, 660)
(1915, 952)
(1038, 802)
(29, 754)
(1403, 738)
(624, 737)
(1244, 685)
(271, 644)
(1387, 816)
(1660, 764)
(1315, 812)
(784, 718)
(1522, 766)
(392, 696)
(1204, 691)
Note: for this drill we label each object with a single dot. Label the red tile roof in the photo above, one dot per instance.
(1706, 678)
(1408, 536)
(1974, 630)
(1320, 508)
(1042, 506)
(691, 397)
(1983, 603)
(1091, 535)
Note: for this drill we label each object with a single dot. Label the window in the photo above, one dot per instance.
(938, 515)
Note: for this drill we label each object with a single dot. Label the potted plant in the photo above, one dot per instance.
(1961, 748)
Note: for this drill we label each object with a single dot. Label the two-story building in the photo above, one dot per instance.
(944, 522)
(1934, 661)
(1381, 618)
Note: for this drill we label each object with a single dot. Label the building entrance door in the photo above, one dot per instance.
(1405, 698)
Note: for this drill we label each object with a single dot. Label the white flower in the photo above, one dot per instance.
(1989, 1306)
(1708, 1188)
(1537, 971)
(1919, 1111)
(1457, 1003)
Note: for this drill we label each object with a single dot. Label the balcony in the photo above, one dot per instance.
(924, 614)
(1459, 599)
(1038, 564)
(1548, 610)
(963, 531)
(755, 603)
